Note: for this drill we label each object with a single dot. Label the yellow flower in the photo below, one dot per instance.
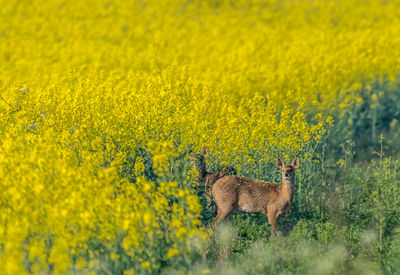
(146, 265)
(91, 148)
(172, 252)
(129, 272)
(329, 119)
(80, 263)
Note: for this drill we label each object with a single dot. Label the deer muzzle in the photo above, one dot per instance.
(286, 175)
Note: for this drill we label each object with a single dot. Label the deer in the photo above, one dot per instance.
(199, 162)
(240, 194)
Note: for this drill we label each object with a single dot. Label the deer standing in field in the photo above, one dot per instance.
(234, 193)
(199, 163)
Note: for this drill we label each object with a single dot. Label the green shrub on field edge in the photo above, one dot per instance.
(360, 235)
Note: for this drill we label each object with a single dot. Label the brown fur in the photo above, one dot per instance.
(234, 193)
(211, 178)
(199, 163)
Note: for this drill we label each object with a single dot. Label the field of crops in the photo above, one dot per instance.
(103, 101)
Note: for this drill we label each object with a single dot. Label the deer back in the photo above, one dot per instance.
(247, 195)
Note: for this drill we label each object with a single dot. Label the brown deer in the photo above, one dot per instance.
(199, 163)
(234, 193)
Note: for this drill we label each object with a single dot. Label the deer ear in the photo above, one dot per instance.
(295, 163)
(280, 163)
(204, 153)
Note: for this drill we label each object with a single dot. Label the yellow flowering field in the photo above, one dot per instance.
(101, 101)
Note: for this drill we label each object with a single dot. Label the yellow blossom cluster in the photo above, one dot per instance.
(85, 85)
(58, 196)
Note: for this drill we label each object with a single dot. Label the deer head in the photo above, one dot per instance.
(199, 163)
(287, 170)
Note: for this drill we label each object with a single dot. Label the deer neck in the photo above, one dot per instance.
(200, 165)
(287, 190)
(202, 170)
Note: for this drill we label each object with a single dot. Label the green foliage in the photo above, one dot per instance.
(357, 233)
(376, 111)
(101, 101)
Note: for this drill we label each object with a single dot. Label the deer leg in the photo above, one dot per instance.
(272, 218)
(277, 216)
(215, 220)
(209, 200)
(209, 196)
(221, 215)
(273, 226)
